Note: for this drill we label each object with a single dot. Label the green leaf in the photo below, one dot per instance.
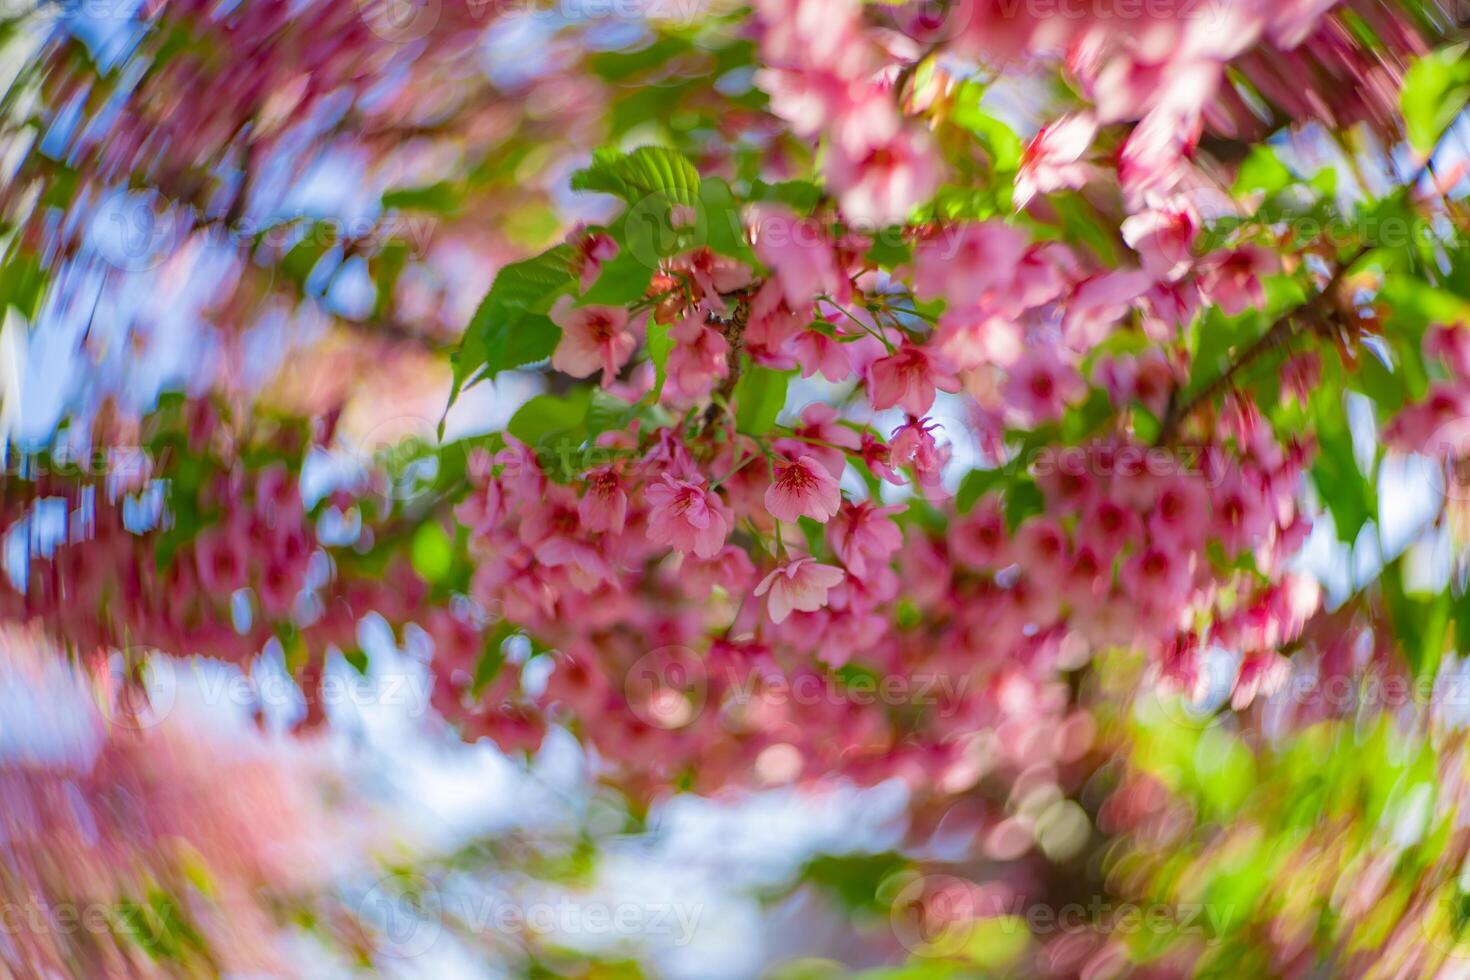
(726, 227)
(649, 171)
(432, 552)
(1262, 170)
(1023, 499)
(1435, 90)
(549, 415)
(623, 280)
(442, 197)
(659, 344)
(976, 484)
(798, 195)
(510, 328)
(1420, 622)
(1003, 144)
(759, 397)
(1349, 495)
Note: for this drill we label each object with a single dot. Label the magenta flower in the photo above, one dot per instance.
(592, 337)
(803, 488)
(801, 585)
(908, 378)
(686, 516)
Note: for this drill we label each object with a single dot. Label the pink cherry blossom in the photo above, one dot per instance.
(961, 265)
(604, 505)
(908, 378)
(912, 444)
(819, 353)
(822, 436)
(803, 487)
(591, 249)
(1099, 303)
(880, 182)
(593, 338)
(800, 255)
(1040, 386)
(686, 516)
(699, 356)
(798, 585)
(1164, 238)
(970, 338)
(1053, 159)
(1233, 278)
(862, 533)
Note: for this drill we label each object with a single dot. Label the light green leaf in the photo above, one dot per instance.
(759, 397)
(510, 328)
(432, 552)
(1435, 90)
(548, 415)
(649, 171)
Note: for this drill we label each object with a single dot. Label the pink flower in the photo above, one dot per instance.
(1168, 306)
(803, 488)
(1180, 514)
(1452, 345)
(908, 378)
(1099, 303)
(1155, 157)
(592, 337)
(1164, 238)
(879, 181)
(1233, 281)
(1107, 527)
(912, 444)
(772, 322)
(1128, 87)
(970, 338)
(714, 274)
(221, 560)
(863, 533)
(1240, 518)
(589, 251)
(1052, 160)
(1041, 547)
(816, 352)
(604, 504)
(980, 539)
(800, 255)
(1040, 386)
(822, 436)
(878, 458)
(731, 570)
(1155, 576)
(961, 265)
(809, 100)
(700, 355)
(686, 516)
(800, 585)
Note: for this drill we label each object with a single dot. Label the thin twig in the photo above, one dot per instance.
(1283, 331)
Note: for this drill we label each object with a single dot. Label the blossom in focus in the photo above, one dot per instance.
(798, 585)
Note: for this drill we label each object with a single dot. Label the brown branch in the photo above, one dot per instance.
(734, 333)
(1311, 315)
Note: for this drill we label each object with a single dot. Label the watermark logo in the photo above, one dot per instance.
(139, 689)
(403, 914)
(667, 687)
(400, 21)
(135, 230)
(934, 915)
(400, 456)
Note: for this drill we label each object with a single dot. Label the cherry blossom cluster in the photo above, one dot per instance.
(249, 568)
(150, 847)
